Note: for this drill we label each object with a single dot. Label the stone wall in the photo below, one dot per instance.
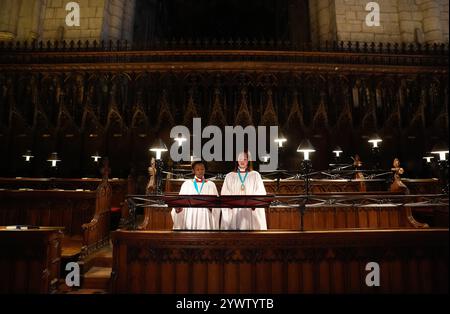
(118, 20)
(444, 18)
(91, 19)
(46, 20)
(424, 21)
(323, 20)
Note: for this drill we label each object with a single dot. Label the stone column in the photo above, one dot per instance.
(29, 20)
(9, 15)
(432, 26)
(128, 20)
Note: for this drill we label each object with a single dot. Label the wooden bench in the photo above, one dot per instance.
(85, 215)
(30, 260)
(119, 187)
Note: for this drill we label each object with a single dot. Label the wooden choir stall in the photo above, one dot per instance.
(318, 243)
(80, 207)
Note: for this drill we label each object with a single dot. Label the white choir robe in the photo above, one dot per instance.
(197, 218)
(243, 218)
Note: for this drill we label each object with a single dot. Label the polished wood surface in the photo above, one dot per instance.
(30, 260)
(411, 261)
(85, 215)
(119, 186)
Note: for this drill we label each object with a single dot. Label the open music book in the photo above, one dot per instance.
(21, 227)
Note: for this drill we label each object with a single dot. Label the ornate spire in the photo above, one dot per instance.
(243, 117)
(295, 117)
(369, 120)
(217, 117)
(345, 119)
(191, 109)
(165, 117)
(139, 118)
(320, 119)
(269, 117)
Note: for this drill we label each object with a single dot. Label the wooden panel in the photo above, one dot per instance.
(277, 278)
(30, 260)
(294, 282)
(307, 277)
(245, 277)
(355, 277)
(280, 262)
(372, 218)
(231, 278)
(338, 279)
(214, 277)
(151, 277)
(167, 278)
(413, 282)
(136, 277)
(324, 277)
(182, 280)
(385, 276)
(426, 272)
(263, 273)
(199, 278)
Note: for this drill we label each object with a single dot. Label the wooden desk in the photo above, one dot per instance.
(411, 261)
(119, 187)
(30, 260)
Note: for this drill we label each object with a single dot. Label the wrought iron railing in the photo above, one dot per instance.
(300, 202)
(224, 50)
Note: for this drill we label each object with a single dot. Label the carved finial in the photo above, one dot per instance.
(106, 170)
(151, 185)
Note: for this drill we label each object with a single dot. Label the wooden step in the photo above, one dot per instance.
(101, 258)
(97, 278)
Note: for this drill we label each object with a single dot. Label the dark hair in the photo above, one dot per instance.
(249, 165)
(198, 162)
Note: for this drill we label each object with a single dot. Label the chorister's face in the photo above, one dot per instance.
(243, 161)
(199, 170)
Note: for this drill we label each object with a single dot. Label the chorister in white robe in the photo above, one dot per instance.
(243, 218)
(197, 218)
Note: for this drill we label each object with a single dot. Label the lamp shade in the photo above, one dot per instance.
(306, 148)
(440, 149)
(374, 140)
(158, 147)
(53, 159)
(280, 139)
(96, 157)
(338, 151)
(28, 155)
